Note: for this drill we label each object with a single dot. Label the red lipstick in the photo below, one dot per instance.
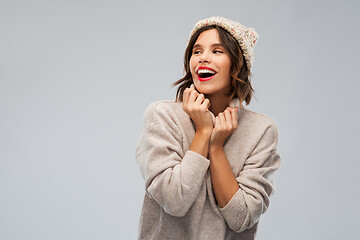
(204, 70)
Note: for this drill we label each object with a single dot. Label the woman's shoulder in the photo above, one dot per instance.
(255, 120)
(164, 105)
(163, 111)
(257, 115)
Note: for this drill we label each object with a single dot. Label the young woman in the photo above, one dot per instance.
(207, 161)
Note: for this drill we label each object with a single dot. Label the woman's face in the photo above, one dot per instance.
(210, 64)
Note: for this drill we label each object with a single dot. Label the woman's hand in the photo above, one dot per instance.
(225, 125)
(197, 107)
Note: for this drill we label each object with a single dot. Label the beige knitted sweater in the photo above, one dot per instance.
(179, 202)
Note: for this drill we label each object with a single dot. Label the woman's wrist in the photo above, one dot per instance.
(213, 148)
(200, 143)
(204, 132)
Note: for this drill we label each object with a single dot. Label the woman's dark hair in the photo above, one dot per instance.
(240, 74)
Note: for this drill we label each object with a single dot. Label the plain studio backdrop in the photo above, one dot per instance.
(76, 77)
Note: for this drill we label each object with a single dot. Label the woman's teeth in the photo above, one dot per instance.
(203, 71)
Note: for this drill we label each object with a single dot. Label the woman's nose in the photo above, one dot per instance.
(204, 57)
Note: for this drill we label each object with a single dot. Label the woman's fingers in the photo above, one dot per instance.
(228, 119)
(186, 96)
(206, 103)
(187, 92)
(189, 96)
(217, 121)
(225, 124)
(234, 117)
(200, 98)
(222, 119)
(193, 95)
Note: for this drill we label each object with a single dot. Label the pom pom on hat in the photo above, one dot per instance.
(246, 37)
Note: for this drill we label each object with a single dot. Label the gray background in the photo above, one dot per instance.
(76, 77)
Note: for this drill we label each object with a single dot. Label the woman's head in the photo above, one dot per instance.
(210, 64)
(220, 59)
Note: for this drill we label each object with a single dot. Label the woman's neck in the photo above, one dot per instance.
(218, 103)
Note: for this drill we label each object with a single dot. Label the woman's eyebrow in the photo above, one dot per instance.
(217, 45)
(213, 45)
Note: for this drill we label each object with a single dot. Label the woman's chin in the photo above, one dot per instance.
(206, 90)
(203, 90)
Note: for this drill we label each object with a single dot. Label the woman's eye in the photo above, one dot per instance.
(218, 51)
(197, 52)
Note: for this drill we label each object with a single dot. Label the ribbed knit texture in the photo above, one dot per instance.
(179, 202)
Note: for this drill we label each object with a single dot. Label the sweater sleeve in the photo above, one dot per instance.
(173, 176)
(255, 183)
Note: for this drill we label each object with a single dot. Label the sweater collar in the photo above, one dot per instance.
(235, 103)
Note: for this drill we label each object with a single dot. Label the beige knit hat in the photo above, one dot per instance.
(246, 37)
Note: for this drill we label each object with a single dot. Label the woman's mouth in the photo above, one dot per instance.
(205, 73)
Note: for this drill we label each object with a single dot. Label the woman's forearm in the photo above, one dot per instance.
(223, 181)
(200, 143)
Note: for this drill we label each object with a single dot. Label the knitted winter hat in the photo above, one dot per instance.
(246, 37)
